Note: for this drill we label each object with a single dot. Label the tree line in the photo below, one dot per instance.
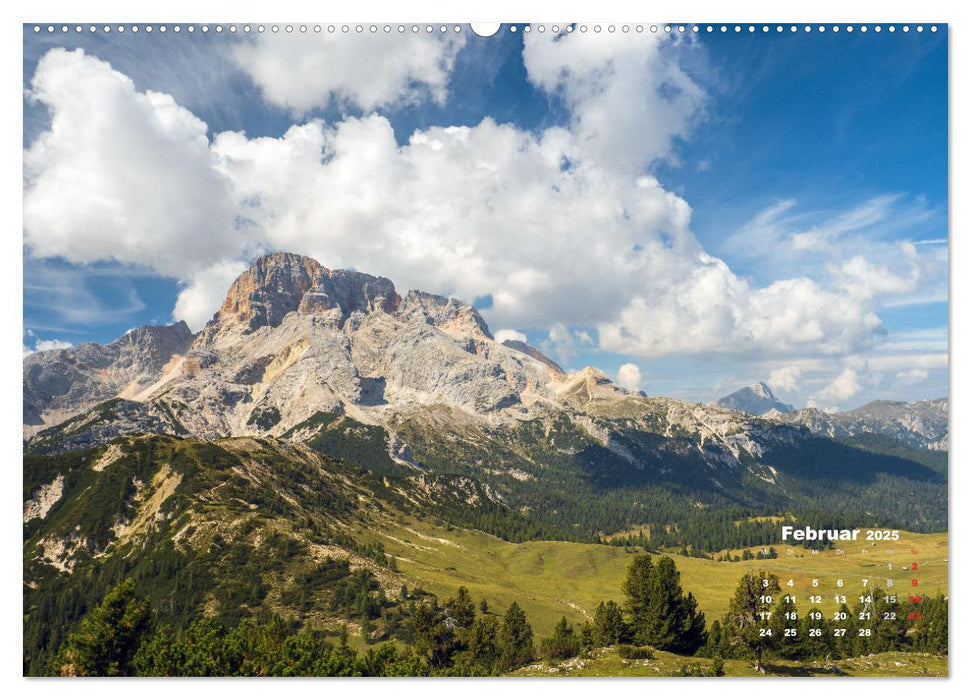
(123, 635)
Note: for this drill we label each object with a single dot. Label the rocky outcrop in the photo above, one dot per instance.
(283, 283)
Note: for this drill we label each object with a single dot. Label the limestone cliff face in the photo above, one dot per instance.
(270, 289)
(281, 283)
(293, 338)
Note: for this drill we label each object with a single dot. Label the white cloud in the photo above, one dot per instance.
(864, 280)
(710, 309)
(629, 376)
(785, 378)
(558, 226)
(628, 97)
(844, 386)
(304, 71)
(43, 345)
(504, 334)
(198, 301)
(120, 175)
(873, 251)
(565, 343)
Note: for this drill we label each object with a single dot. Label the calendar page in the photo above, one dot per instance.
(546, 350)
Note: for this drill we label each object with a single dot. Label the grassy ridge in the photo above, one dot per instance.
(551, 579)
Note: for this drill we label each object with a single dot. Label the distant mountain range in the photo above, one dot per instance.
(922, 424)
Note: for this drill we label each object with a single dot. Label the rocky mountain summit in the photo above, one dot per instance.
(756, 399)
(292, 339)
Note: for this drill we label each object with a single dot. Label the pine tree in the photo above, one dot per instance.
(434, 640)
(564, 643)
(461, 608)
(715, 642)
(747, 623)
(930, 629)
(608, 624)
(586, 635)
(637, 587)
(515, 639)
(483, 642)
(890, 625)
(864, 617)
(661, 615)
(816, 635)
(843, 632)
(107, 639)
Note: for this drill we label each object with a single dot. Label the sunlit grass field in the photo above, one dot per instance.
(552, 579)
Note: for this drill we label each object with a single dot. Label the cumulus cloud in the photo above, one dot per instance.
(560, 226)
(629, 376)
(565, 343)
(504, 334)
(628, 97)
(786, 378)
(204, 293)
(844, 386)
(120, 174)
(302, 71)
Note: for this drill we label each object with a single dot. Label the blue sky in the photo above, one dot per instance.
(707, 211)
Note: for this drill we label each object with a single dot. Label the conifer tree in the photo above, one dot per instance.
(748, 621)
(608, 624)
(637, 588)
(930, 628)
(843, 631)
(107, 639)
(515, 639)
(890, 623)
(563, 644)
(484, 642)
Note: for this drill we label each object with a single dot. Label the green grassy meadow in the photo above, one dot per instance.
(552, 579)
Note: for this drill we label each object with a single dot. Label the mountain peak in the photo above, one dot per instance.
(761, 389)
(756, 399)
(280, 283)
(273, 286)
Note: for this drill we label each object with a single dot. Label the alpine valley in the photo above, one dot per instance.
(330, 452)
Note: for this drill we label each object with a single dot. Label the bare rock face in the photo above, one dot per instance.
(291, 339)
(281, 283)
(61, 383)
(270, 289)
